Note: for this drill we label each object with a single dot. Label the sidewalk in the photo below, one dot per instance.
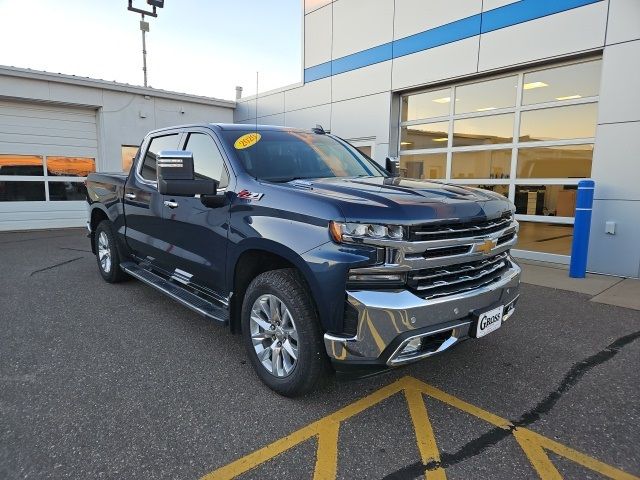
(603, 288)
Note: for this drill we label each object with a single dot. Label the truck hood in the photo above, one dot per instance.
(404, 201)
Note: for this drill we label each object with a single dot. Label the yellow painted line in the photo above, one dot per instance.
(536, 455)
(580, 458)
(424, 433)
(327, 456)
(459, 404)
(327, 429)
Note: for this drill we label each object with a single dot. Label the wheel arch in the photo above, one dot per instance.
(257, 258)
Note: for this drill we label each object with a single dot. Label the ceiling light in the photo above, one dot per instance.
(406, 143)
(485, 109)
(442, 100)
(441, 139)
(532, 85)
(569, 97)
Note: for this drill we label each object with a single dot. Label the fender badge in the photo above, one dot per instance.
(247, 195)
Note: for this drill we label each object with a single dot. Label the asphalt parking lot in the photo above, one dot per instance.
(117, 381)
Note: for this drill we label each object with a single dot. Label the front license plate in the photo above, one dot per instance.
(489, 321)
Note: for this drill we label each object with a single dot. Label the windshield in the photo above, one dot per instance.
(285, 155)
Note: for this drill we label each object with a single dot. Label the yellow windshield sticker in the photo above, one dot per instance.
(246, 141)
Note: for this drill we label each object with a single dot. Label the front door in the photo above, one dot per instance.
(144, 207)
(197, 233)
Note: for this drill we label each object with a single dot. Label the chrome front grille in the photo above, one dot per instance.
(439, 281)
(440, 231)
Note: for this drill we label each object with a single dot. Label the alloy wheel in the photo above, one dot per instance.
(274, 335)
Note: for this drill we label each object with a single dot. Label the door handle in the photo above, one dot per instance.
(170, 204)
(130, 196)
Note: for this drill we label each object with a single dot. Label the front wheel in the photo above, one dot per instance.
(281, 333)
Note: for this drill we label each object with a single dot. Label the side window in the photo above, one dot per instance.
(207, 159)
(158, 144)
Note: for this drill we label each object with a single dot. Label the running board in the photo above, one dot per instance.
(181, 295)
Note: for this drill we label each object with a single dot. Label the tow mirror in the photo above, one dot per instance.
(392, 165)
(176, 176)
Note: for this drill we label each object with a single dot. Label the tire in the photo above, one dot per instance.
(311, 367)
(107, 253)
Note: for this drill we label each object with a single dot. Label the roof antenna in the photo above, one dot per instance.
(257, 102)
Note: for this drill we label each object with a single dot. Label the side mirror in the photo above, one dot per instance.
(176, 177)
(392, 165)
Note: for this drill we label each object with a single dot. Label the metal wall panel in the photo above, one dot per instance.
(415, 16)
(619, 92)
(317, 36)
(436, 64)
(624, 21)
(374, 25)
(563, 33)
(364, 81)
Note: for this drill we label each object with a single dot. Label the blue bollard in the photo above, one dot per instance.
(581, 227)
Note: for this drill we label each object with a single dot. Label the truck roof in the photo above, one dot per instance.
(233, 126)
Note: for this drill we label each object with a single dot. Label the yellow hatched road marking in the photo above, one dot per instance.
(327, 429)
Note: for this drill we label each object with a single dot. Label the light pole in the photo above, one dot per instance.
(144, 28)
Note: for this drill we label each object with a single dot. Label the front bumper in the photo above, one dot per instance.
(388, 320)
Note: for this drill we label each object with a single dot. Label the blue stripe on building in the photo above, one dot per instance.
(489, 21)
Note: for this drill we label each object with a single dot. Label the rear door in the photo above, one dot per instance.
(197, 233)
(143, 205)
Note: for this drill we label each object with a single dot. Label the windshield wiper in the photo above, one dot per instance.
(285, 179)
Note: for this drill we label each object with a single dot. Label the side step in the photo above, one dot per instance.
(185, 297)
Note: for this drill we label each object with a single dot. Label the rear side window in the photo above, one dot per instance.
(158, 144)
(207, 159)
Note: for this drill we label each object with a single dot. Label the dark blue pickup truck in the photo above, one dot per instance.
(321, 259)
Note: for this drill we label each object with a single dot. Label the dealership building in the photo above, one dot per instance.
(524, 98)
(55, 129)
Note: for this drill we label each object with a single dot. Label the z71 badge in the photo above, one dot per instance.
(247, 195)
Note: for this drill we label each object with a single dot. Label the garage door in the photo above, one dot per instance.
(46, 152)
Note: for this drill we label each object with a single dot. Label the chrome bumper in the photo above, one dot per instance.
(387, 320)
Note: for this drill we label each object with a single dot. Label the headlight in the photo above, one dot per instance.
(366, 230)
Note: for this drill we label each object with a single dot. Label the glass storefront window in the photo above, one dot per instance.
(70, 166)
(486, 96)
(66, 191)
(426, 105)
(548, 200)
(492, 129)
(570, 161)
(21, 191)
(481, 164)
(547, 128)
(30, 165)
(545, 237)
(428, 135)
(427, 166)
(559, 123)
(568, 82)
(128, 153)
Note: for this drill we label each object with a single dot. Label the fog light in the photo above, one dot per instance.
(412, 346)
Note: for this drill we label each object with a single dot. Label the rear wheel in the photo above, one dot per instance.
(107, 253)
(282, 333)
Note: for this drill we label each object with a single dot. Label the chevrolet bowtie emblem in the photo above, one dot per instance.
(486, 246)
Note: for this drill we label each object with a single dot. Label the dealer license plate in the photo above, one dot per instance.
(489, 321)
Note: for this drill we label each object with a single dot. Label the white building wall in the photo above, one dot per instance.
(361, 103)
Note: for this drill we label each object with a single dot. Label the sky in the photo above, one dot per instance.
(202, 47)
